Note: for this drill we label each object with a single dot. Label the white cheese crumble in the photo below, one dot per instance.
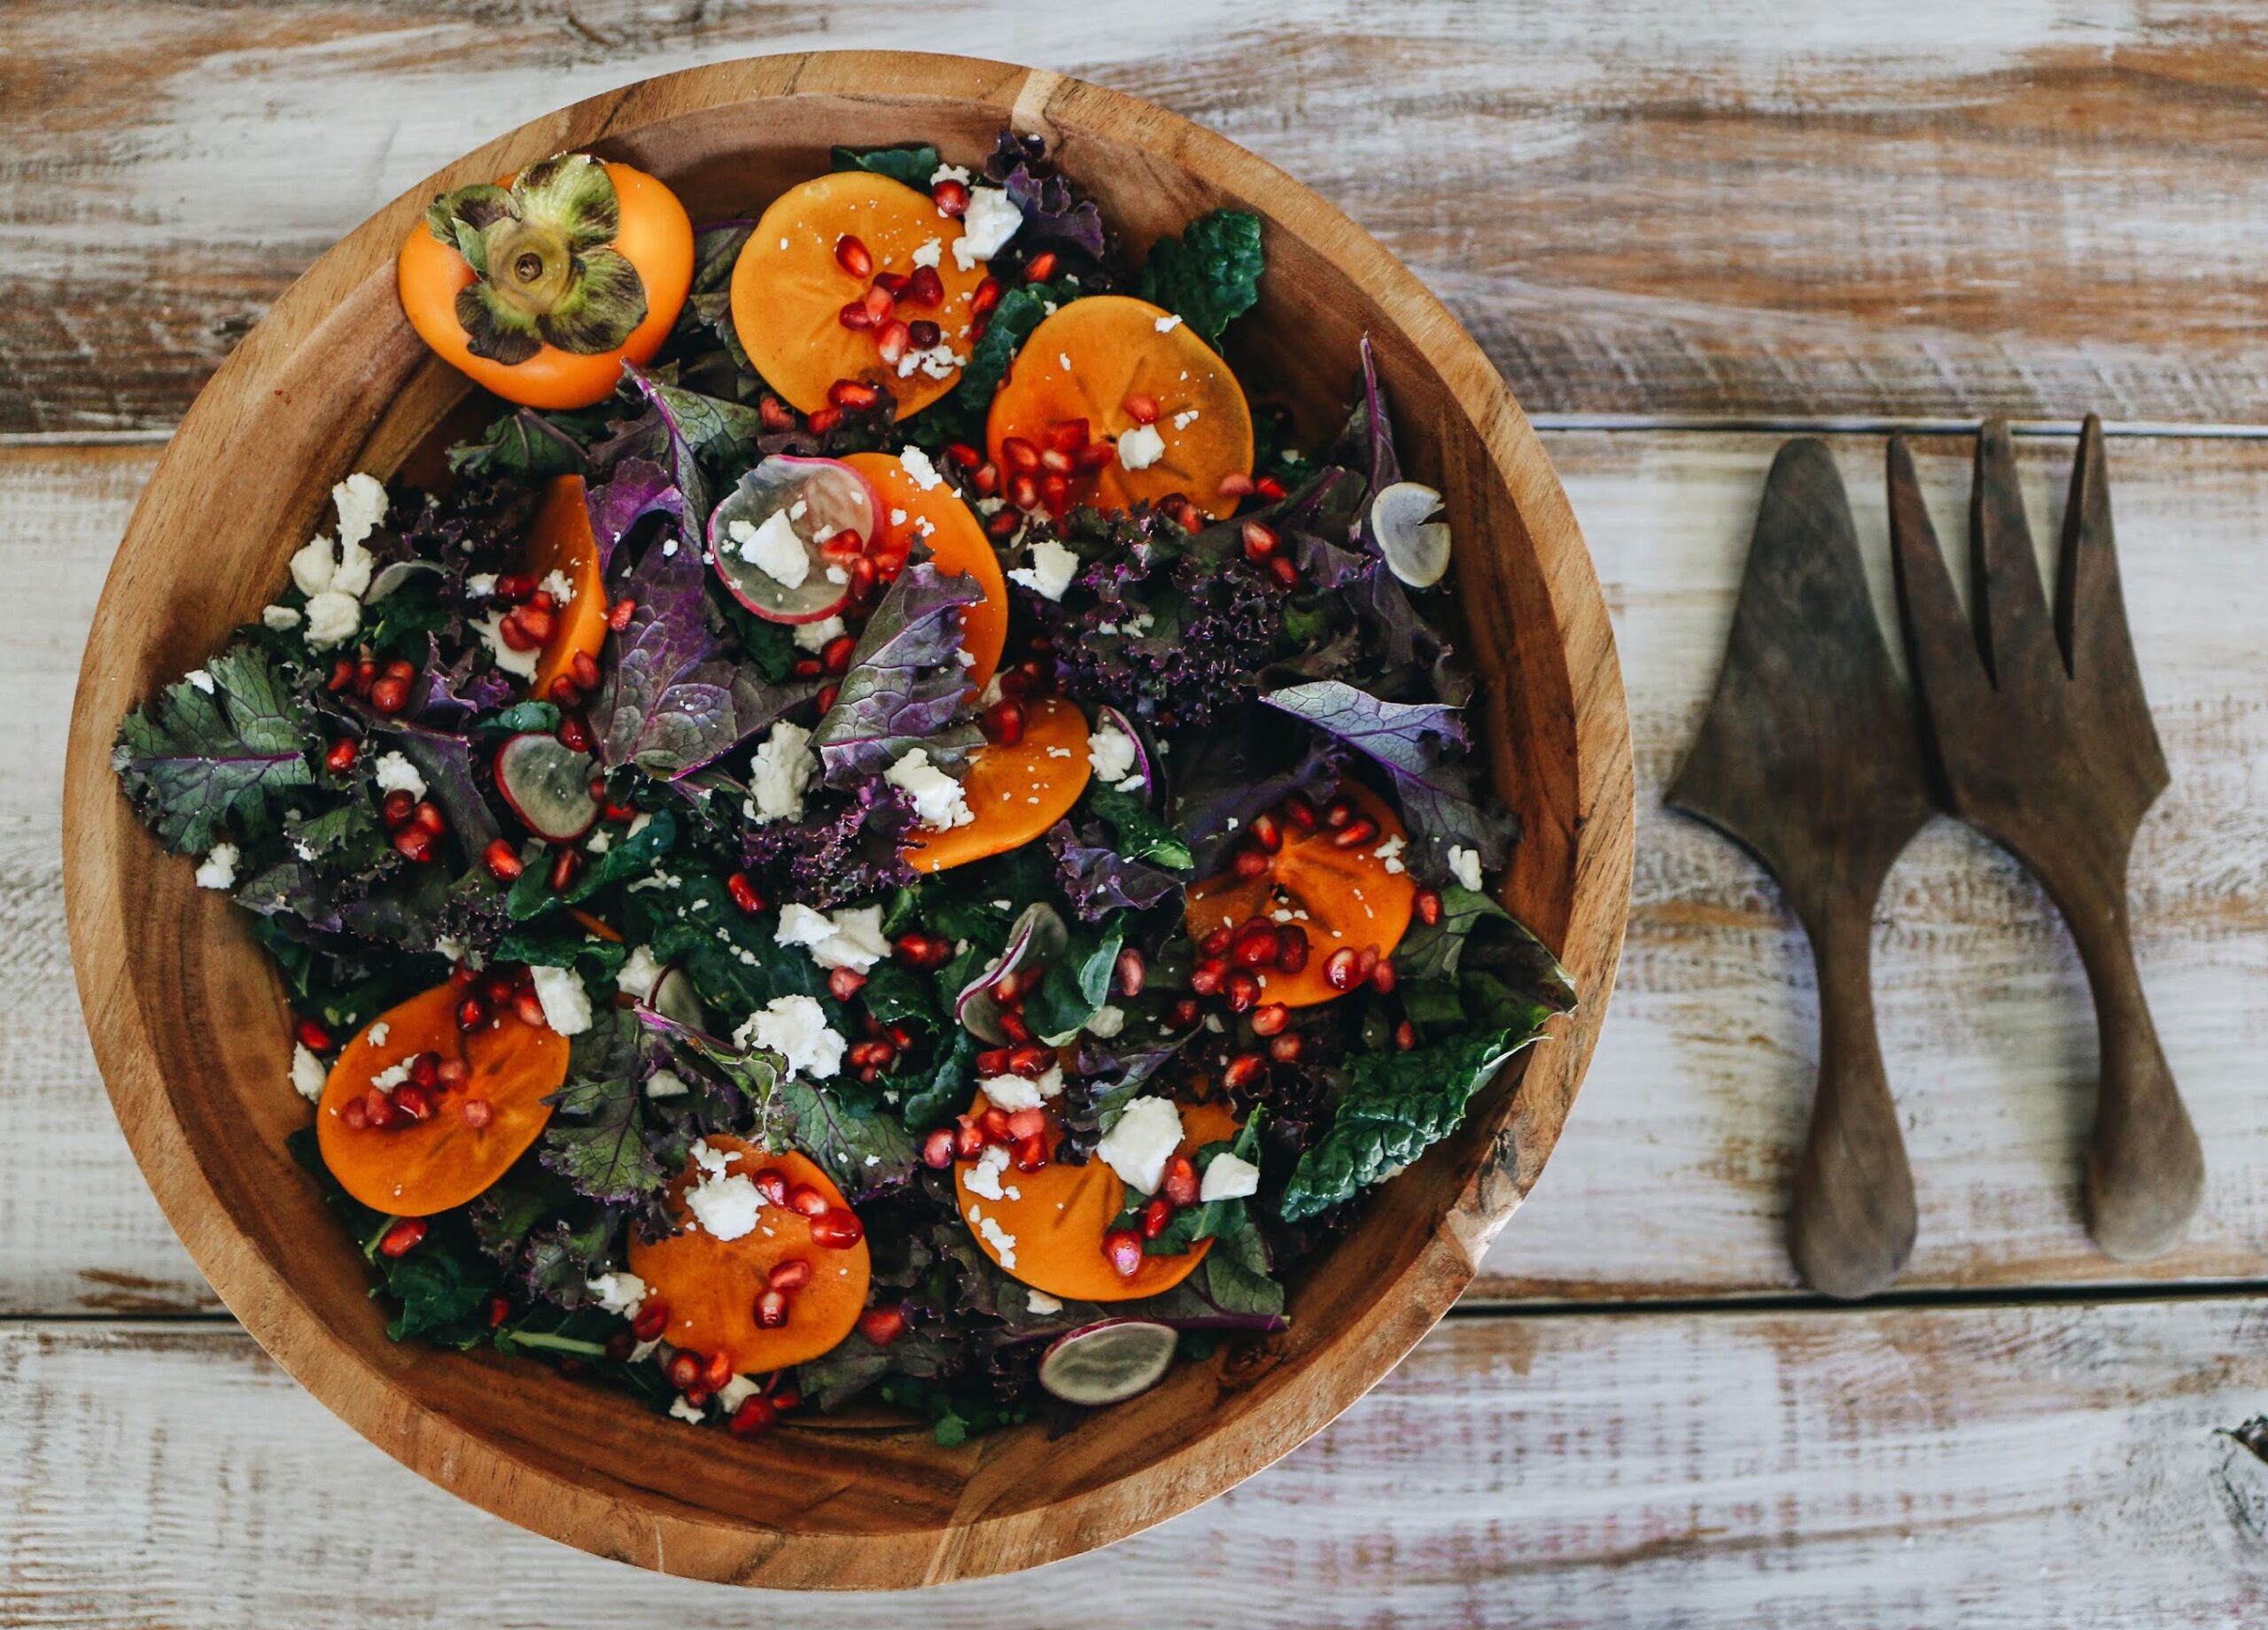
(666, 1083)
(1053, 567)
(984, 1178)
(1141, 447)
(218, 870)
(201, 680)
(556, 584)
(1228, 1177)
(849, 939)
(600, 842)
(986, 225)
(1168, 323)
(1143, 1140)
(1040, 1301)
(795, 1027)
(333, 616)
(1014, 1093)
(640, 970)
(279, 618)
(490, 627)
(692, 1414)
(1186, 417)
(916, 463)
(566, 1005)
(1003, 1243)
(361, 500)
(815, 637)
(618, 1293)
(950, 172)
(480, 585)
(1388, 855)
(939, 802)
(1111, 755)
(774, 549)
(780, 772)
(395, 774)
(379, 1032)
(735, 1392)
(1466, 863)
(307, 1073)
(937, 362)
(313, 564)
(929, 252)
(392, 1076)
(725, 1204)
(1107, 1023)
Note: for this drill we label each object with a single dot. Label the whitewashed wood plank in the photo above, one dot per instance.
(1987, 1466)
(1915, 206)
(1670, 1178)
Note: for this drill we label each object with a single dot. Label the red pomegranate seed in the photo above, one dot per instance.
(1018, 454)
(1258, 944)
(1013, 1026)
(924, 288)
(342, 674)
(427, 817)
(1027, 1123)
(502, 860)
(1338, 812)
(426, 1070)
(771, 1309)
(1286, 1048)
(994, 1060)
(528, 1010)
(1292, 953)
(1004, 723)
(1300, 813)
(1242, 990)
(1341, 969)
(312, 1036)
(1055, 491)
(1208, 976)
(718, 1371)
(968, 1139)
(1131, 973)
(1183, 1016)
(1031, 1062)
(1024, 491)
(1155, 1215)
(1428, 906)
(1179, 1184)
(475, 1113)
(1270, 1019)
(1067, 435)
(1216, 941)
(356, 1113)
(834, 657)
(1040, 267)
(822, 420)
(1267, 833)
(535, 626)
(827, 696)
(1260, 540)
(775, 414)
(1243, 1070)
(1032, 1152)
(961, 454)
(842, 983)
(653, 1316)
(574, 733)
(1141, 409)
(684, 1370)
(753, 1415)
(807, 1200)
(1366, 962)
(450, 1074)
(853, 256)
(472, 1012)
(618, 618)
(380, 1109)
(396, 807)
(891, 339)
(937, 1149)
(1405, 1035)
(1355, 833)
(1123, 1247)
(341, 756)
(1235, 484)
(366, 672)
(1095, 455)
(854, 315)
(1056, 462)
(924, 334)
(402, 1238)
(987, 296)
(951, 198)
(565, 691)
(992, 1120)
(414, 844)
(837, 1229)
(389, 695)
(1383, 978)
(1250, 863)
(584, 670)
(849, 393)
(563, 867)
(1269, 488)
(744, 892)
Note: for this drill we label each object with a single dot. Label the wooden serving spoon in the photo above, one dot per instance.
(1810, 757)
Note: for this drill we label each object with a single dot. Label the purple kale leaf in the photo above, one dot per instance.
(1421, 746)
(1052, 211)
(639, 487)
(1247, 764)
(848, 846)
(674, 700)
(1366, 444)
(215, 750)
(449, 696)
(1098, 880)
(906, 688)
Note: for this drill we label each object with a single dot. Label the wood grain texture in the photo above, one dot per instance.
(1676, 1166)
(175, 990)
(1919, 209)
(2068, 1466)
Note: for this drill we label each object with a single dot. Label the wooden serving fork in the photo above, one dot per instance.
(2045, 743)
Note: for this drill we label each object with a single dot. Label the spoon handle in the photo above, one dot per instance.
(1852, 1223)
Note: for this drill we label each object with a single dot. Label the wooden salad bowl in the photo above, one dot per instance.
(190, 1025)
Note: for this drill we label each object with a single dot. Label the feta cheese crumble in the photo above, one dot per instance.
(780, 772)
(1228, 1177)
(666, 1083)
(795, 1027)
(556, 584)
(774, 549)
(1040, 1301)
(984, 1178)
(618, 1293)
(815, 637)
(1141, 447)
(939, 802)
(1466, 863)
(307, 1073)
(929, 252)
(1107, 1023)
(395, 774)
(279, 618)
(1143, 1140)
(1168, 323)
(218, 870)
(1003, 1243)
(201, 680)
(1014, 1092)
(1053, 567)
(986, 225)
(916, 463)
(566, 1005)
(684, 1408)
(849, 939)
(1388, 855)
(1111, 755)
(333, 617)
(640, 970)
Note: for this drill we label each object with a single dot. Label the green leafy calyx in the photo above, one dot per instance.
(544, 269)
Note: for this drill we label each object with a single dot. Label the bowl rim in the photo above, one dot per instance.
(671, 1535)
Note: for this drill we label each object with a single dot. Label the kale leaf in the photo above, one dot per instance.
(904, 689)
(206, 756)
(911, 166)
(596, 1139)
(1210, 275)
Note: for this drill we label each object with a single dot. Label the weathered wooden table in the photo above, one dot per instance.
(1682, 231)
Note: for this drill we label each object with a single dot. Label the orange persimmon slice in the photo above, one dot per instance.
(560, 540)
(710, 1286)
(1061, 1213)
(934, 515)
(1015, 793)
(1094, 357)
(653, 235)
(414, 1168)
(1341, 897)
(790, 285)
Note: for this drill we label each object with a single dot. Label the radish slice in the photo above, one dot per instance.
(547, 785)
(1416, 546)
(1108, 1363)
(1038, 934)
(673, 997)
(769, 537)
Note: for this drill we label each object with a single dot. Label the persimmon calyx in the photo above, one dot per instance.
(544, 269)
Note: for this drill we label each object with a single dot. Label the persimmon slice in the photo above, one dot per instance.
(711, 1286)
(1061, 1213)
(1095, 356)
(934, 515)
(1015, 793)
(560, 540)
(790, 287)
(1341, 897)
(414, 1168)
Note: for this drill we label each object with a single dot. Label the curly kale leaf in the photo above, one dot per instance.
(909, 167)
(217, 753)
(596, 1139)
(1210, 275)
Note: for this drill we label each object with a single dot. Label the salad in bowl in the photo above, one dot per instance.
(885, 831)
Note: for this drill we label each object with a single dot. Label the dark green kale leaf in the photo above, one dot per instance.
(531, 445)
(626, 858)
(597, 1138)
(1210, 275)
(858, 1143)
(1235, 1275)
(735, 963)
(1140, 834)
(197, 762)
(910, 166)
(960, 415)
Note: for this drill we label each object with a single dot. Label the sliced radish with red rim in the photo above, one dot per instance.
(549, 786)
(1108, 1361)
(1039, 934)
(783, 538)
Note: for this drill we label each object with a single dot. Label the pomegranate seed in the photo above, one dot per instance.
(922, 334)
(961, 454)
(1355, 833)
(771, 1309)
(684, 1370)
(1179, 1184)
(1405, 1035)
(968, 1139)
(396, 807)
(515, 587)
(807, 1200)
(1024, 491)
(1131, 973)
(528, 1010)
(1338, 812)
(1269, 488)
(414, 844)
(994, 1060)
(854, 315)
(1300, 813)
(1281, 568)
(951, 198)
(822, 420)
(1004, 723)
(618, 618)
(882, 1325)
(1341, 969)
(540, 599)
(849, 393)
(853, 256)
(426, 1070)
(312, 1036)
(1428, 906)
(503, 862)
(563, 867)
(537, 621)
(402, 1238)
(993, 1122)
(924, 287)
(1208, 976)
(937, 1149)
(1027, 1123)
(1258, 944)
(475, 1113)
(1095, 455)
(1040, 267)
(842, 983)
(718, 1370)
(1366, 962)
(342, 675)
(827, 696)
(1235, 484)
(1123, 1247)
(753, 1415)
(1286, 1048)
(565, 691)
(341, 757)
(1018, 454)
(499, 1310)
(1250, 863)
(834, 657)
(1292, 953)
(1030, 1061)
(1013, 1026)
(744, 892)
(1267, 833)
(1271, 1019)
(1217, 943)
(355, 1112)
(427, 817)
(1243, 991)
(1243, 1070)
(1067, 435)
(653, 1316)
(1141, 409)
(472, 1012)
(1260, 540)
(987, 296)
(1055, 491)
(584, 670)
(574, 733)
(1183, 1016)
(775, 414)
(837, 1229)
(891, 339)
(1032, 1152)
(1383, 978)
(450, 1074)
(1155, 1215)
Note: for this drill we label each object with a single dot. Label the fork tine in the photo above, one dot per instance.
(2010, 606)
(2090, 611)
(1947, 667)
